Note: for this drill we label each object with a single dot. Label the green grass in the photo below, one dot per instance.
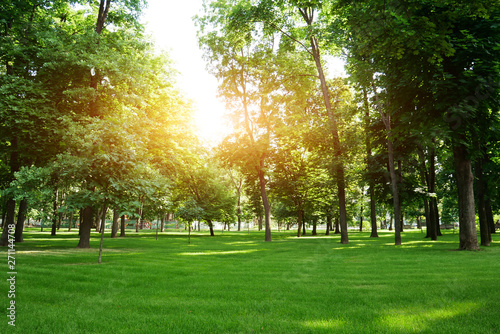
(237, 283)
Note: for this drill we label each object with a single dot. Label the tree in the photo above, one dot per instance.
(189, 211)
(211, 187)
(427, 49)
(247, 84)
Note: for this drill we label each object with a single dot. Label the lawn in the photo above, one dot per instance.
(237, 283)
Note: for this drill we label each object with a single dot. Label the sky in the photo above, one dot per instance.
(171, 25)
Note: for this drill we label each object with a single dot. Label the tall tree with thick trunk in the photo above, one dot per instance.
(467, 213)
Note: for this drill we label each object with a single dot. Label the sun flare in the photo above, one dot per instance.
(210, 122)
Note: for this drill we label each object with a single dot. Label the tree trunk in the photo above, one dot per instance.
(9, 220)
(484, 228)
(102, 217)
(265, 202)
(428, 176)
(337, 229)
(308, 15)
(432, 226)
(395, 192)
(369, 164)
(114, 226)
(238, 212)
(303, 224)
(328, 224)
(11, 203)
(314, 232)
(103, 228)
(299, 223)
(139, 217)
(70, 223)
(489, 216)
(97, 220)
(162, 228)
(466, 209)
(427, 217)
(80, 221)
(432, 188)
(122, 226)
(102, 15)
(373, 212)
(424, 176)
(436, 213)
(189, 232)
(211, 227)
(4, 211)
(85, 227)
(59, 220)
(361, 220)
(21, 217)
(54, 212)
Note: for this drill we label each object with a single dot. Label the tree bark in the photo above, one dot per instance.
(114, 226)
(369, 164)
(162, 228)
(436, 213)
(484, 228)
(328, 224)
(80, 221)
(299, 223)
(122, 226)
(9, 220)
(395, 193)
(466, 205)
(337, 226)
(21, 217)
(489, 216)
(85, 227)
(211, 227)
(4, 212)
(139, 216)
(103, 14)
(70, 223)
(60, 218)
(189, 232)
(361, 220)
(433, 200)
(265, 202)
(431, 226)
(386, 118)
(54, 212)
(238, 193)
(103, 228)
(97, 220)
(427, 217)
